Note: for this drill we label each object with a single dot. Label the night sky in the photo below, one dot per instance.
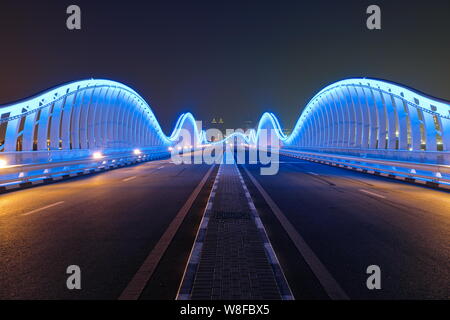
(229, 59)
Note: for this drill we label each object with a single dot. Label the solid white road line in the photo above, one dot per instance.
(129, 178)
(330, 285)
(283, 285)
(161, 167)
(313, 173)
(187, 281)
(373, 193)
(43, 208)
(137, 284)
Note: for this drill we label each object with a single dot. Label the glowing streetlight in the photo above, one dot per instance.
(137, 152)
(3, 163)
(97, 155)
(170, 148)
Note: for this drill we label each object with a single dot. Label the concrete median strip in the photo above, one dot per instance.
(232, 257)
(283, 285)
(187, 281)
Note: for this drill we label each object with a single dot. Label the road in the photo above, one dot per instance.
(109, 223)
(105, 223)
(351, 220)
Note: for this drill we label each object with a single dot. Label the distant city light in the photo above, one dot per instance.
(97, 155)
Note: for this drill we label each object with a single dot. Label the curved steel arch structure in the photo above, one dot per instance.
(353, 115)
(90, 125)
(87, 114)
(371, 116)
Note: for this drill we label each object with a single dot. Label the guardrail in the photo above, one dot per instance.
(18, 176)
(422, 156)
(435, 175)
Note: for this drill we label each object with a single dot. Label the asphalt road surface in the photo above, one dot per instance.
(105, 223)
(108, 223)
(352, 220)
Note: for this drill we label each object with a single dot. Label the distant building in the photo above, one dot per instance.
(287, 131)
(248, 124)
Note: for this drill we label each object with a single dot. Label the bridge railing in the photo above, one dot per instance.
(436, 174)
(430, 157)
(45, 157)
(85, 162)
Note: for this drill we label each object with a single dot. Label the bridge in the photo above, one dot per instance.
(363, 179)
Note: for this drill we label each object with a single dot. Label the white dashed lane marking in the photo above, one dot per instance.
(43, 208)
(373, 193)
(129, 178)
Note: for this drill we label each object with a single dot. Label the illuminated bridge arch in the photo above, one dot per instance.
(372, 117)
(373, 114)
(368, 117)
(84, 115)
